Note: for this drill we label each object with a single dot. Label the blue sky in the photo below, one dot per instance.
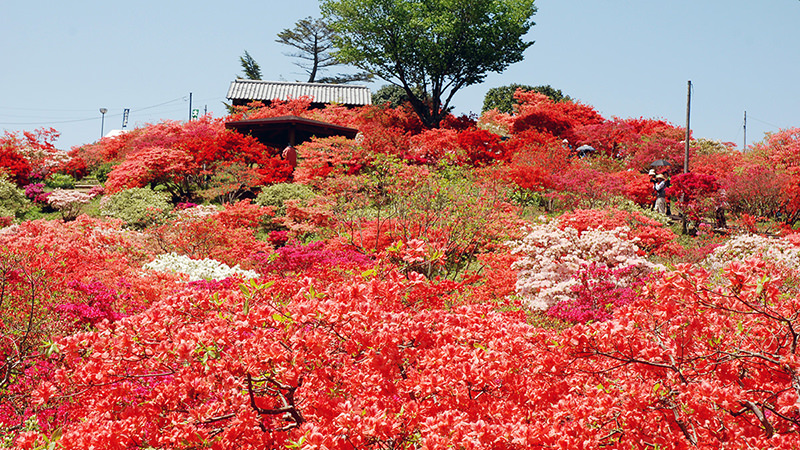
(62, 61)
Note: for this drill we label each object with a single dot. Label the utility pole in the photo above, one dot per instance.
(684, 225)
(688, 109)
(744, 147)
(190, 106)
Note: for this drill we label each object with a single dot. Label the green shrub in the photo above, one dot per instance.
(502, 98)
(276, 195)
(59, 181)
(137, 207)
(100, 172)
(13, 202)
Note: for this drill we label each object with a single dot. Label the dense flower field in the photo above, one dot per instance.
(474, 286)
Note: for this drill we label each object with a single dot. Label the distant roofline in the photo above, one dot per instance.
(303, 83)
(242, 90)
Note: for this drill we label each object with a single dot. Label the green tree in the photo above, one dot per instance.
(502, 98)
(314, 40)
(392, 94)
(436, 46)
(252, 71)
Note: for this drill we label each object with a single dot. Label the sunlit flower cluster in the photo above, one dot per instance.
(552, 257)
(197, 269)
(746, 246)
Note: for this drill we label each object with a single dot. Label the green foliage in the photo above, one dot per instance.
(393, 95)
(137, 207)
(631, 207)
(101, 171)
(502, 98)
(439, 46)
(527, 197)
(276, 195)
(251, 69)
(432, 225)
(13, 202)
(59, 181)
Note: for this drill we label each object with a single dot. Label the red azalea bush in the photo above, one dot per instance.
(14, 165)
(780, 151)
(328, 158)
(372, 365)
(227, 235)
(561, 119)
(184, 158)
(408, 304)
(292, 260)
(756, 190)
(30, 154)
(694, 193)
(55, 279)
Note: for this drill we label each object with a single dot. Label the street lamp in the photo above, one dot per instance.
(103, 111)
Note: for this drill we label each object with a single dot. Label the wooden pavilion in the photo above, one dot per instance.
(282, 131)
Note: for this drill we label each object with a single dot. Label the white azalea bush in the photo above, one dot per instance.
(780, 252)
(197, 269)
(554, 261)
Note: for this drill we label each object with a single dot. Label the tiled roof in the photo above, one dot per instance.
(321, 93)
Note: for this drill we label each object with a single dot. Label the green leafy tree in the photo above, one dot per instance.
(392, 94)
(436, 46)
(252, 71)
(502, 98)
(313, 39)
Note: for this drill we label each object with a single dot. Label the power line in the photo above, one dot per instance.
(59, 121)
(45, 122)
(766, 123)
(41, 122)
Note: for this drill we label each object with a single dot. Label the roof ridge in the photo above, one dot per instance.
(304, 83)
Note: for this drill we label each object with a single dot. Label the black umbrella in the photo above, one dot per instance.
(584, 150)
(660, 163)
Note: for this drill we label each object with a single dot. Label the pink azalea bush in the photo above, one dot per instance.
(101, 303)
(68, 202)
(552, 258)
(599, 291)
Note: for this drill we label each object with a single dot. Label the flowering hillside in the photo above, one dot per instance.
(478, 286)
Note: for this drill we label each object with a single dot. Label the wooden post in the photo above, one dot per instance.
(688, 110)
(686, 149)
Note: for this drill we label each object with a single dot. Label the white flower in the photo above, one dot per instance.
(197, 269)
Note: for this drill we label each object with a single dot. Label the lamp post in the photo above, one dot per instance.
(103, 111)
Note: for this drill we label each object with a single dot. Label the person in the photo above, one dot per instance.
(660, 187)
(290, 155)
(652, 175)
